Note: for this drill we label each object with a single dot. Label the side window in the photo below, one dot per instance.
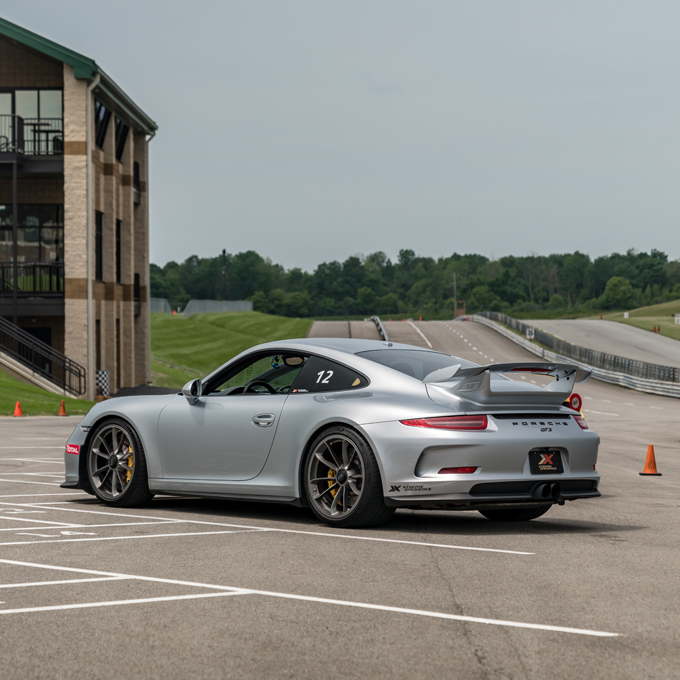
(323, 375)
(269, 375)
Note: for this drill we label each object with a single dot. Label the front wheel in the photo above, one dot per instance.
(342, 480)
(116, 467)
(516, 514)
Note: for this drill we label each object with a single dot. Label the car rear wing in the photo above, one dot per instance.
(474, 383)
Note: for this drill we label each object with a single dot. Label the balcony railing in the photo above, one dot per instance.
(34, 279)
(31, 136)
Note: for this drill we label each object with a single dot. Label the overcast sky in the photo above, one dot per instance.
(314, 130)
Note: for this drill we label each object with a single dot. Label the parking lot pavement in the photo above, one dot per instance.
(189, 587)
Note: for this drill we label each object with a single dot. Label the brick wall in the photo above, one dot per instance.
(21, 67)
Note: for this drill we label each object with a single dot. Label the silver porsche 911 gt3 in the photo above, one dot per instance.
(353, 429)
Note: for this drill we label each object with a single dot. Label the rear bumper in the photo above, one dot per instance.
(525, 493)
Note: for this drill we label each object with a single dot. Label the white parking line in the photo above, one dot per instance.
(288, 596)
(25, 481)
(422, 335)
(91, 526)
(40, 495)
(37, 474)
(59, 461)
(285, 531)
(128, 538)
(113, 603)
(61, 583)
(600, 413)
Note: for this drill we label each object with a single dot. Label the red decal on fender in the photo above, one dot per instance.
(73, 448)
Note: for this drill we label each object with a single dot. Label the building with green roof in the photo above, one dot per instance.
(74, 220)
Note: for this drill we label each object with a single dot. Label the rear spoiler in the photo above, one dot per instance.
(569, 372)
(474, 383)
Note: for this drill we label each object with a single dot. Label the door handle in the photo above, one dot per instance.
(264, 420)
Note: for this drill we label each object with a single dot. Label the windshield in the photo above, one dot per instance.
(416, 363)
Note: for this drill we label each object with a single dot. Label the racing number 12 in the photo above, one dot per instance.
(326, 379)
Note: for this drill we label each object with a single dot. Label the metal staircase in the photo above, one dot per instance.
(37, 361)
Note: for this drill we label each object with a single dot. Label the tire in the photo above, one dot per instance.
(116, 466)
(516, 514)
(342, 480)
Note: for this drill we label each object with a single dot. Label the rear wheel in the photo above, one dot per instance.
(516, 514)
(342, 480)
(116, 467)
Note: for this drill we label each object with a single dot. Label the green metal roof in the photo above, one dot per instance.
(83, 67)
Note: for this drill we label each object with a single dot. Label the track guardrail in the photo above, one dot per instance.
(381, 329)
(665, 388)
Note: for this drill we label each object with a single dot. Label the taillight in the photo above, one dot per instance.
(581, 422)
(457, 471)
(450, 422)
(575, 402)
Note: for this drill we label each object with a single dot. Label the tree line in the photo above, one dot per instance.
(374, 284)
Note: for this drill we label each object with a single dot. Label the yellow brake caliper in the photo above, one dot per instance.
(131, 462)
(331, 473)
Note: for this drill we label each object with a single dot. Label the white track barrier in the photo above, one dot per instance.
(665, 389)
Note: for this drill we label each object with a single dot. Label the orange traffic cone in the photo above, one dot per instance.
(62, 410)
(17, 411)
(650, 463)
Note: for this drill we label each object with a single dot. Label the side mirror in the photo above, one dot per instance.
(193, 390)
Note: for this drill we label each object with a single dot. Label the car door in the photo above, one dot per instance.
(218, 437)
(227, 433)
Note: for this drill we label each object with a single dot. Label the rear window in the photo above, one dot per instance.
(418, 364)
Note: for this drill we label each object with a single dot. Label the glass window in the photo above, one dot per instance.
(6, 215)
(40, 232)
(29, 215)
(26, 103)
(50, 104)
(29, 244)
(98, 245)
(5, 103)
(102, 116)
(418, 364)
(6, 245)
(119, 252)
(121, 137)
(323, 375)
(51, 245)
(277, 372)
(50, 215)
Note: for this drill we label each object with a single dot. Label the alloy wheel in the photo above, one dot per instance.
(111, 461)
(335, 476)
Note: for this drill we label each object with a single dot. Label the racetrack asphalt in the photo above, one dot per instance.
(218, 589)
(614, 338)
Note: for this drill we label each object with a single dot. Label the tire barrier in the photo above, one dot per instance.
(604, 366)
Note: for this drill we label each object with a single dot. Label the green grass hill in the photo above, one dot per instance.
(182, 349)
(661, 316)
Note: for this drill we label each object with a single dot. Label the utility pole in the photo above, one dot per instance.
(224, 271)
